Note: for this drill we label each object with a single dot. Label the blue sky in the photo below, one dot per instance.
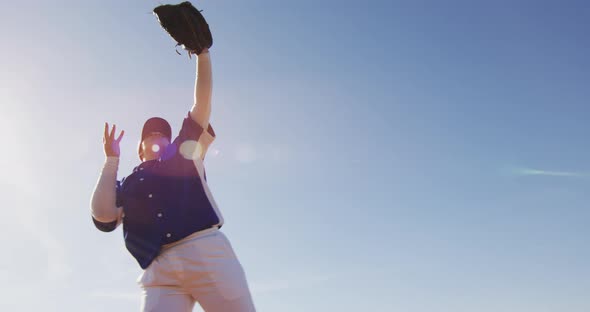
(371, 156)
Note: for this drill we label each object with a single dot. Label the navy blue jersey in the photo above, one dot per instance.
(167, 199)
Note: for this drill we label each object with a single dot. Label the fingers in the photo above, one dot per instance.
(120, 136)
(112, 136)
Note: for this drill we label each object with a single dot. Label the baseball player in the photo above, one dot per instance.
(170, 219)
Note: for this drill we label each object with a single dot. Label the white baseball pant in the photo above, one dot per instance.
(200, 268)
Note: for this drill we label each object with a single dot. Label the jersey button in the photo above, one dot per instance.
(159, 214)
(150, 196)
(168, 235)
(140, 179)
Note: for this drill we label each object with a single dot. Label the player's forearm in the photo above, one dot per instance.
(201, 110)
(103, 202)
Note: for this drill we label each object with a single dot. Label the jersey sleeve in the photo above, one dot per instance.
(192, 140)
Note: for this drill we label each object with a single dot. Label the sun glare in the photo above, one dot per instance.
(190, 149)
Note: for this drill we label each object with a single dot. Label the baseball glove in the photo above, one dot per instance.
(186, 25)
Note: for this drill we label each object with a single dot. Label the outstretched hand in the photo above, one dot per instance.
(111, 145)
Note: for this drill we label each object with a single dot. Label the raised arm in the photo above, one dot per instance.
(201, 110)
(103, 205)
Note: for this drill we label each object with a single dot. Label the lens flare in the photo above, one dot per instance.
(191, 149)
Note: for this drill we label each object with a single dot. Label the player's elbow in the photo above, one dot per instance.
(108, 226)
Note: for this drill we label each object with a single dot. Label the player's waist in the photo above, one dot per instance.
(193, 236)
